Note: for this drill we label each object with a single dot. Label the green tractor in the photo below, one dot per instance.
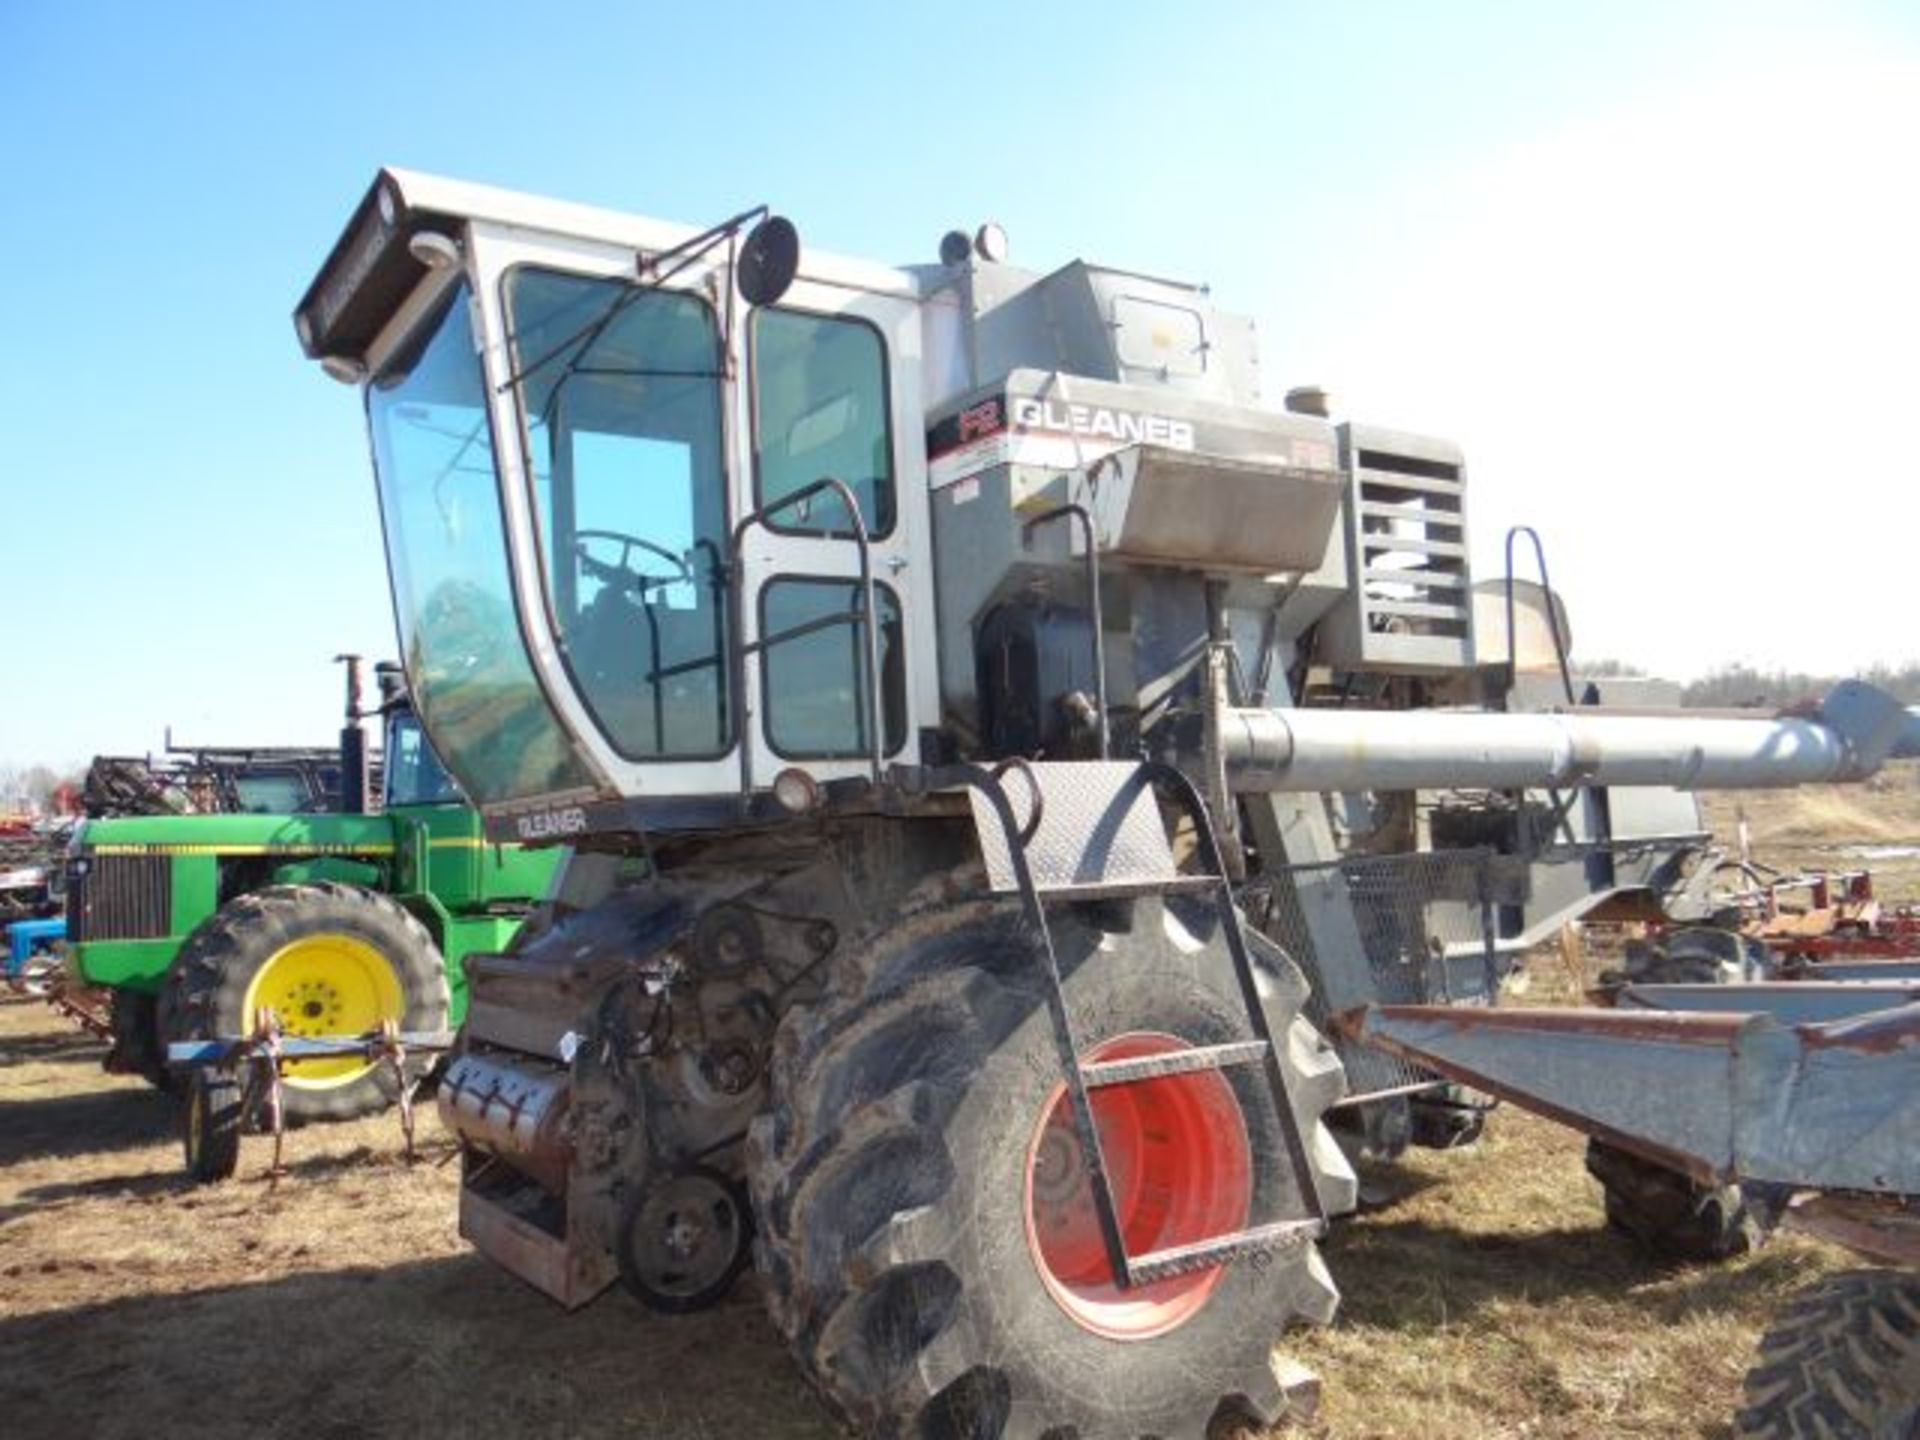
(336, 920)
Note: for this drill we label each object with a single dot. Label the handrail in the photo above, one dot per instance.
(1553, 612)
(866, 618)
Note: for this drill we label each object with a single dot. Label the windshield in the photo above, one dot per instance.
(629, 488)
(446, 549)
(412, 771)
(272, 793)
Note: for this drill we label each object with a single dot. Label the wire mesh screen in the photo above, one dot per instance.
(1408, 914)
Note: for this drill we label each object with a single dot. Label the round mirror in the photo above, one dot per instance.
(768, 260)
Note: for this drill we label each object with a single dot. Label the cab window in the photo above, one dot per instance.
(820, 409)
(621, 399)
(814, 668)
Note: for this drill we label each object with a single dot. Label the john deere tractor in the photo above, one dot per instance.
(992, 745)
(335, 919)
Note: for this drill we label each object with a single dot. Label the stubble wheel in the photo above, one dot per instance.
(1671, 1216)
(1843, 1363)
(329, 959)
(924, 1237)
(1666, 1213)
(210, 1125)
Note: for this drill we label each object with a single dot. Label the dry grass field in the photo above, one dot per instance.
(1487, 1301)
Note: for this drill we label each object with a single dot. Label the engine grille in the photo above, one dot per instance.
(120, 897)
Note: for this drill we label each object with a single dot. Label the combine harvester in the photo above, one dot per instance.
(993, 746)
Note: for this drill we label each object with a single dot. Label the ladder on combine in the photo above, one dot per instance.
(1093, 832)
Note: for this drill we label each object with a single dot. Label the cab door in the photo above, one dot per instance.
(833, 392)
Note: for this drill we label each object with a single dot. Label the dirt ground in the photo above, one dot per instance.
(1488, 1301)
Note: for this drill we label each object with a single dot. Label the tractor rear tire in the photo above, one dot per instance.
(1842, 1362)
(1671, 1216)
(139, 1047)
(210, 1126)
(917, 1197)
(357, 958)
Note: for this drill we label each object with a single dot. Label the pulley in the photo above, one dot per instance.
(684, 1238)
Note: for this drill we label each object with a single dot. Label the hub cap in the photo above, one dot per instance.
(327, 984)
(1181, 1171)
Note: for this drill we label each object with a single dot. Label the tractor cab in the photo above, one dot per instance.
(627, 590)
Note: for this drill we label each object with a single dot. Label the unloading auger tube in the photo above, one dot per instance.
(1855, 730)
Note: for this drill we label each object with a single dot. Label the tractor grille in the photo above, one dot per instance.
(120, 897)
(1409, 911)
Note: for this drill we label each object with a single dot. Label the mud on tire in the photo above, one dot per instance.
(890, 1176)
(210, 977)
(1843, 1363)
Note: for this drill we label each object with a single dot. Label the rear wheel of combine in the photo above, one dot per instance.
(1843, 1362)
(1670, 1215)
(927, 1237)
(328, 960)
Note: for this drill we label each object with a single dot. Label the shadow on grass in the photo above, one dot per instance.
(1413, 1275)
(91, 1124)
(51, 1047)
(436, 1347)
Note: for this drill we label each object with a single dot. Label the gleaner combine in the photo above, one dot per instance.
(992, 743)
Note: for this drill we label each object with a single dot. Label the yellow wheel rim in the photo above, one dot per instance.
(327, 984)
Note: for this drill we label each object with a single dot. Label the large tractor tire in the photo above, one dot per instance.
(927, 1237)
(328, 960)
(1843, 1363)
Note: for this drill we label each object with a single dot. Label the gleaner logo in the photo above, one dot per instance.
(982, 419)
(1124, 426)
(551, 824)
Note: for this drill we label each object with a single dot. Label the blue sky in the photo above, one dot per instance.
(1653, 264)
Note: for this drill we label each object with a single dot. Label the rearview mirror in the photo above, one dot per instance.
(769, 258)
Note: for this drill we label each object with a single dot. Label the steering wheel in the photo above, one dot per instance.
(619, 573)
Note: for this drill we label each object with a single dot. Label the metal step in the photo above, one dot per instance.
(1173, 1062)
(1204, 1254)
(1098, 828)
(1126, 889)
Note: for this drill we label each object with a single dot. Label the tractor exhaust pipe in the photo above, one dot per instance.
(355, 773)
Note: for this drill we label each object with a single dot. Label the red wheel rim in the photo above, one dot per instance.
(1181, 1170)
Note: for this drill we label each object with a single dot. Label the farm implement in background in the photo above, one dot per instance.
(1804, 1090)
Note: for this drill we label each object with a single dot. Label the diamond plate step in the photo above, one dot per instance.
(1174, 1062)
(1204, 1254)
(1099, 829)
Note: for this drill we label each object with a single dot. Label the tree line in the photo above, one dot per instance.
(1739, 685)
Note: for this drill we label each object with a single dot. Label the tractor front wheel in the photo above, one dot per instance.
(928, 1236)
(327, 959)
